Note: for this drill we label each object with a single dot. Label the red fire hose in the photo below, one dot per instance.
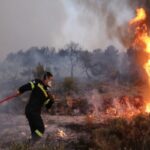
(9, 97)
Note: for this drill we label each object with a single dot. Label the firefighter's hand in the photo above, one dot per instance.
(17, 92)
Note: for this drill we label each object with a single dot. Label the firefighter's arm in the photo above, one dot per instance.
(49, 102)
(26, 87)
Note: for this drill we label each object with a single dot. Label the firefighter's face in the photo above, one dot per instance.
(48, 81)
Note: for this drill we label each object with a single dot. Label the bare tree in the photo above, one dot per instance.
(85, 58)
(73, 53)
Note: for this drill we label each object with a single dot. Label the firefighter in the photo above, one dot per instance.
(39, 97)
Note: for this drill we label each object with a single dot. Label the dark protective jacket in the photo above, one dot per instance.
(39, 96)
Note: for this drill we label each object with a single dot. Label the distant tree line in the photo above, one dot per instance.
(75, 62)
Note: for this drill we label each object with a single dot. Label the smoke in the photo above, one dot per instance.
(91, 23)
(31, 23)
(107, 19)
(95, 100)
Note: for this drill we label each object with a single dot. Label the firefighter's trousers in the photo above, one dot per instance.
(36, 125)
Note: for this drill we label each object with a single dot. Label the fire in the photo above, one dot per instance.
(142, 37)
(148, 108)
(111, 110)
(90, 118)
(142, 40)
(147, 68)
(146, 39)
(141, 15)
(61, 133)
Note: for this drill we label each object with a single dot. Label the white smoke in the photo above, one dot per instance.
(100, 23)
(91, 23)
(95, 100)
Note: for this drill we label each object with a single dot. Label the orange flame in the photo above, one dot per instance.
(142, 36)
(61, 133)
(146, 38)
(141, 15)
(142, 39)
(147, 68)
(148, 108)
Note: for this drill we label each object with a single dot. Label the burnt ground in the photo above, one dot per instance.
(61, 131)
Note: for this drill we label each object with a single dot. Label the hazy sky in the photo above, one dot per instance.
(27, 23)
